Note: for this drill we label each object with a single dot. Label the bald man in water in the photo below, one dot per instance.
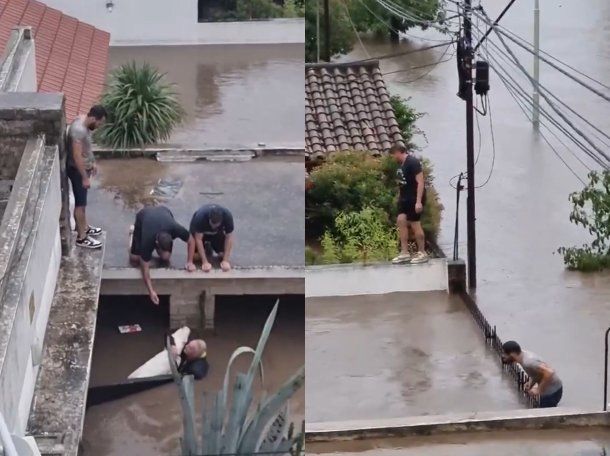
(193, 359)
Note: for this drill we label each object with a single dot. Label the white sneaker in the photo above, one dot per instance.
(89, 243)
(419, 257)
(402, 258)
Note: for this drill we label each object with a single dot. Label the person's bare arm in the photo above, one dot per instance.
(145, 268)
(420, 191)
(77, 155)
(190, 254)
(225, 265)
(205, 264)
(547, 375)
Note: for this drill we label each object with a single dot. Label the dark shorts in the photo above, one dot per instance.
(80, 192)
(407, 207)
(551, 400)
(217, 242)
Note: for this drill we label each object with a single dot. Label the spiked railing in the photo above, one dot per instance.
(238, 428)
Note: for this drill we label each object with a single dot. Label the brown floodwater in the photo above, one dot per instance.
(150, 423)
(233, 95)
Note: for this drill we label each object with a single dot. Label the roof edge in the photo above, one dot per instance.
(358, 63)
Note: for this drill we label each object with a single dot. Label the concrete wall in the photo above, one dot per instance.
(31, 226)
(23, 116)
(18, 65)
(352, 280)
(148, 22)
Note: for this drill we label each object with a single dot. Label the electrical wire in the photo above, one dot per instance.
(396, 54)
(499, 31)
(418, 67)
(349, 17)
(521, 91)
(493, 146)
(434, 65)
(552, 105)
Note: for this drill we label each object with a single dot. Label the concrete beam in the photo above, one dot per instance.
(256, 281)
(465, 422)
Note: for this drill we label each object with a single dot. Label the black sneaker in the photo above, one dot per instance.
(93, 231)
(89, 243)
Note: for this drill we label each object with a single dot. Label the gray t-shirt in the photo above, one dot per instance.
(78, 131)
(531, 365)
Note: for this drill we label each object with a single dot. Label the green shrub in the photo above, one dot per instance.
(258, 9)
(311, 256)
(364, 236)
(352, 181)
(591, 210)
(406, 116)
(293, 8)
(143, 109)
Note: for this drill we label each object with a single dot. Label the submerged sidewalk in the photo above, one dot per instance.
(397, 355)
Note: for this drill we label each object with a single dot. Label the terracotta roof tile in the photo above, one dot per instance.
(347, 108)
(71, 56)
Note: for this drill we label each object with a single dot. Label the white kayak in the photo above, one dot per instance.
(159, 364)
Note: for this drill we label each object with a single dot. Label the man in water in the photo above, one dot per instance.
(411, 202)
(155, 229)
(193, 359)
(211, 235)
(80, 167)
(543, 381)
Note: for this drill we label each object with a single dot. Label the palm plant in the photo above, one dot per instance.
(143, 108)
(238, 428)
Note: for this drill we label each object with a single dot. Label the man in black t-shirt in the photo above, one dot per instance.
(411, 203)
(211, 235)
(155, 230)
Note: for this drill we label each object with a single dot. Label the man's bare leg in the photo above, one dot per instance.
(403, 232)
(420, 237)
(80, 217)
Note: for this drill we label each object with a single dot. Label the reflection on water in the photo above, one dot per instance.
(233, 95)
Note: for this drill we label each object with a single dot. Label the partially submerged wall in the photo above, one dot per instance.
(160, 22)
(30, 253)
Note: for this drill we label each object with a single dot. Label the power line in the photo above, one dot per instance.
(551, 104)
(396, 54)
(419, 67)
(349, 17)
(501, 32)
(543, 111)
(493, 145)
(433, 65)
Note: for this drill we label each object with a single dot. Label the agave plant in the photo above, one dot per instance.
(239, 428)
(143, 108)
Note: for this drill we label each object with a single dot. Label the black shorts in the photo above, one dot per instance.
(80, 192)
(407, 207)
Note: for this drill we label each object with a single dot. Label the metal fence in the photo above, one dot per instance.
(514, 371)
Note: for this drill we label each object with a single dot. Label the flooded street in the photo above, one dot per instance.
(585, 442)
(399, 354)
(233, 95)
(150, 423)
(522, 213)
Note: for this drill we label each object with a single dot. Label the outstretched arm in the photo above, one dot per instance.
(145, 268)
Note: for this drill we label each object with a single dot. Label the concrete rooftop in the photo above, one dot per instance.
(265, 196)
(579, 442)
(395, 355)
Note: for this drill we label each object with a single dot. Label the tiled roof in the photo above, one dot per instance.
(347, 107)
(71, 56)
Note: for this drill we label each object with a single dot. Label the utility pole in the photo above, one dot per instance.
(470, 200)
(536, 110)
(327, 30)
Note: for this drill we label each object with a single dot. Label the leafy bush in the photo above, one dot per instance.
(294, 8)
(406, 116)
(361, 236)
(258, 9)
(591, 210)
(353, 181)
(143, 109)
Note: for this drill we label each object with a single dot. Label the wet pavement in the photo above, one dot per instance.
(580, 442)
(265, 196)
(233, 95)
(522, 213)
(397, 355)
(150, 423)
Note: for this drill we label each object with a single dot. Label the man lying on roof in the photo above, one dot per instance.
(154, 230)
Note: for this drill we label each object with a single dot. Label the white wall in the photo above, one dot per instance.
(43, 259)
(353, 280)
(153, 22)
